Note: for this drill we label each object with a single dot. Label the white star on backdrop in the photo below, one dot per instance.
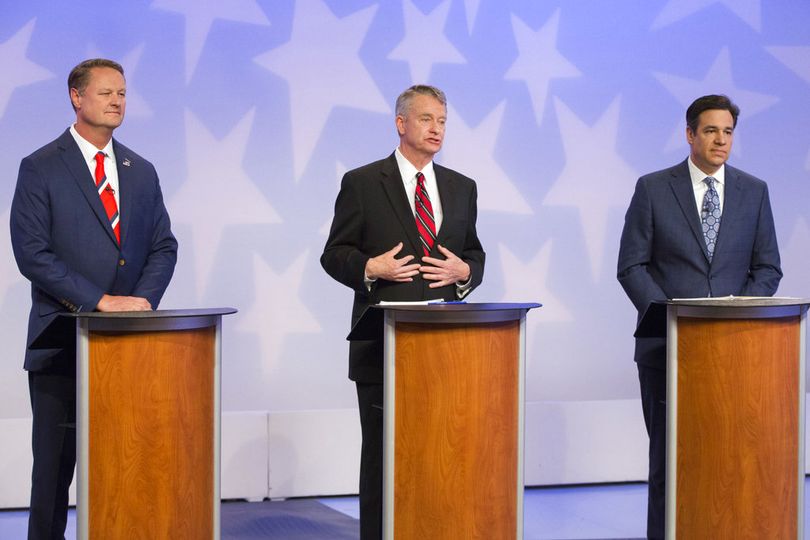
(424, 43)
(323, 70)
(201, 15)
(718, 80)
(795, 261)
(527, 283)
(9, 273)
(474, 148)
(471, 12)
(749, 11)
(340, 170)
(217, 192)
(538, 60)
(23, 72)
(593, 182)
(796, 59)
(278, 310)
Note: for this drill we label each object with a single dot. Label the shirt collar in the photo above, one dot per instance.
(408, 171)
(698, 176)
(88, 149)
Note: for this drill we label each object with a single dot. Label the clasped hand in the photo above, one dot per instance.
(441, 272)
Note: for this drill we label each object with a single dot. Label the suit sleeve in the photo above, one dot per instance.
(635, 252)
(31, 222)
(473, 253)
(342, 257)
(159, 266)
(764, 272)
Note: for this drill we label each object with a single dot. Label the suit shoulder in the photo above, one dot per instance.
(450, 173)
(745, 178)
(44, 153)
(124, 153)
(665, 174)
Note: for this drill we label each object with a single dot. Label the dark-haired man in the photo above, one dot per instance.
(90, 231)
(701, 228)
(404, 230)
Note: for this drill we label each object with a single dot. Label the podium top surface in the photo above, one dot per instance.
(457, 306)
(158, 314)
(370, 324)
(740, 301)
(654, 322)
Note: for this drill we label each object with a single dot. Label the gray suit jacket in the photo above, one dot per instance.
(662, 254)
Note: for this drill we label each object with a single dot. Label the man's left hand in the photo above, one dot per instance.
(444, 272)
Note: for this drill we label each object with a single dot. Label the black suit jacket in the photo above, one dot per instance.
(663, 255)
(372, 215)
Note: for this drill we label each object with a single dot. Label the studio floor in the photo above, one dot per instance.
(615, 511)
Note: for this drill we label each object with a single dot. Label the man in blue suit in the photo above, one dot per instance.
(90, 231)
(701, 228)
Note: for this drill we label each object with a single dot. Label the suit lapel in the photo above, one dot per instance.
(74, 161)
(395, 190)
(124, 164)
(681, 183)
(446, 198)
(732, 201)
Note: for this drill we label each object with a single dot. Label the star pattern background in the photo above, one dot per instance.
(252, 110)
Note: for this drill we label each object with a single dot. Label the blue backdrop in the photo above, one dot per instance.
(253, 109)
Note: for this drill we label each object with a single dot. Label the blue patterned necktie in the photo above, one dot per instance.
(710, 216)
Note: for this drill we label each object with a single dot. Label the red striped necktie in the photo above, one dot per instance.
(107, 194)
(425, 223)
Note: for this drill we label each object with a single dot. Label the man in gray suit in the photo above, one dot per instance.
(701, 228)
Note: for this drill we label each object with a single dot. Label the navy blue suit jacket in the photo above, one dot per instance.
(64, 245)
(663, 255)
(372, 215)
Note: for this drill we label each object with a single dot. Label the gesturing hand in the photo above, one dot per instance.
(445, 272)
(387, 267)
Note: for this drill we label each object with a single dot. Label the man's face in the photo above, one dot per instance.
(421, 130)
(711, 141)
(103, 102)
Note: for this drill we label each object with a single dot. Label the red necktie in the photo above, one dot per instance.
(425, 223)
(105, 191)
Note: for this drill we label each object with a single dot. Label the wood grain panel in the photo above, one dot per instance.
(456, 431)
(737, 463)
(151, 434)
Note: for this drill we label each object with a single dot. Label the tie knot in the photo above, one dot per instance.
(100, 157)
(420, 179)
(709, 181)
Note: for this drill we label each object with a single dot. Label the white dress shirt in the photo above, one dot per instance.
(408, 173)
(700, 186)
(89, 152)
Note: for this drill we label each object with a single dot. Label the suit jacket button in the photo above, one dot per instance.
(121, 262)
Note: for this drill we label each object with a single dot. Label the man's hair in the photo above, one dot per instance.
(405, 98)
(79, 76)
(707, 103)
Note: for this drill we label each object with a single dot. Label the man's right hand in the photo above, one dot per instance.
(123, 303)
(387, 267)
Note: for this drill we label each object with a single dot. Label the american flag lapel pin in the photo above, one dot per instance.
(126, 162)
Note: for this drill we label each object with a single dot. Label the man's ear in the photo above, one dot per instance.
(74, 98)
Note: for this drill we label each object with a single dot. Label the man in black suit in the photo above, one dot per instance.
(701, 228)
(404, 230)
(81, 254)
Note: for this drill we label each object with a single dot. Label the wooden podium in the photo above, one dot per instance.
(147, 420)
(453, 418)
(735, 418)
